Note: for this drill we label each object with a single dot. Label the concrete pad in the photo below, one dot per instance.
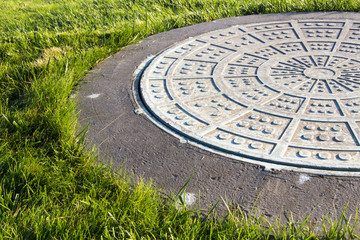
(127, 137)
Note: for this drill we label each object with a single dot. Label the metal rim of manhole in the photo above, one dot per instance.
(281, 94)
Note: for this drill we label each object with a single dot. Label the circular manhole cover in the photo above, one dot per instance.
(284, 93)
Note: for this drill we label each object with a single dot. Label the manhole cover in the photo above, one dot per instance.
(284, 93)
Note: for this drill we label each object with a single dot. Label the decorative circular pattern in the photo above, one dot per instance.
(285, 92)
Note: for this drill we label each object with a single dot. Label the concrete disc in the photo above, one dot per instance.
(258, 106)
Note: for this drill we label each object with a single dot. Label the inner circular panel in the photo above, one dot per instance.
(284, 92)
(319, 73)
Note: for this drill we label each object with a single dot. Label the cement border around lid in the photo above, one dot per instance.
(128, 139)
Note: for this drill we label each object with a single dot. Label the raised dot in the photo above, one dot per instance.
(238, 140)
(255, 127)
(223, 136)
(304, 153)
(266, 119)
(323, 155)
(185, 88)
(310, 127)
(199, 105)
(276, 122)
(323, 137)
(256, 145)
(180, 117)
(336, 128)
(339, 138)
(254, 116)
(323, 128)
(344, 156)
(242, 124)
(173, 111)
(307, 136)
(189, 123)
(268, 130)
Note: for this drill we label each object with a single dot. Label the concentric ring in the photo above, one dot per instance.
(281, 92)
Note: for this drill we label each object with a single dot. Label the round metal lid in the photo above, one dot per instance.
(285, 93)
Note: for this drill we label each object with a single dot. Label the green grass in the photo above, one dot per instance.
(50, 185)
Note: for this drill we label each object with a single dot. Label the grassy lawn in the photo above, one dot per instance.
(50, 186)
